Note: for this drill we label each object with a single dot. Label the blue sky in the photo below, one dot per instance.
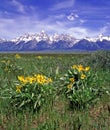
(79, 18)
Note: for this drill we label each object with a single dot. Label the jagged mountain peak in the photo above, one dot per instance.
(2, 40)
(100, 37)
(43, 41)
(43, 36)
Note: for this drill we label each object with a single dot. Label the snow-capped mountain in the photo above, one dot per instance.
(99, 38)
(2, 40)
(30, 37)
(43, 41)
(43, 36)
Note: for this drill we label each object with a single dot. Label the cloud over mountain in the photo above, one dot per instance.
(79, 18)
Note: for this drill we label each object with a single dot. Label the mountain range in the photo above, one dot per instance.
(57, 42)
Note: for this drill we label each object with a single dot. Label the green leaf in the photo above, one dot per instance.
(35, 104)
(22, 104)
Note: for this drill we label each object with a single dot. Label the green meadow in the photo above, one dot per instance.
(55, 91)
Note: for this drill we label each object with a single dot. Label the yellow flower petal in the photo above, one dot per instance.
(18, 88)
(69, 86)
(71, 79)
(83, 76)
(87, 68)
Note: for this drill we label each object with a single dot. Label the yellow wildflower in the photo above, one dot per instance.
(50, 80)
(18, 89)
(30, 79)
(17, 56)
(74, 66)
(39, 57)
(40, 79)
(87, 68)
(69, 86)
(71, 79)
(22, 79)
(80, 68)
(83, 76)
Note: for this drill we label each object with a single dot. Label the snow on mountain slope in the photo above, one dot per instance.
(43, 36)
(43, 41)
(99, 38)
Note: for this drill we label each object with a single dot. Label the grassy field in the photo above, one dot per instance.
(55, 112)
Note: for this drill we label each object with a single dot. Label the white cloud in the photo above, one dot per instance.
(105, 28)
(76, 16)
(82, 21)
(19, 6)
(60, 16)
(72, 17)
(78, 32)
(63, 5)
(13, 27)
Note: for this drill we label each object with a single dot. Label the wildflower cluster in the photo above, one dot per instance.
(36, 79)
(76, 75)
(31, 92)
(78, 86)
